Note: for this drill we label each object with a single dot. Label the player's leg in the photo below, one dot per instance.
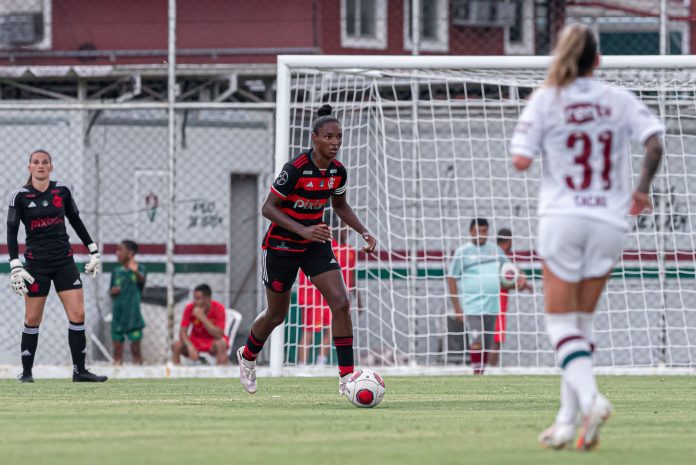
(136, 353)
(219, 350)
(324, 350)
(488, 336)
(178, 349)
(307, 334)
(117, 340)
(33, 313)
(474, 331)
(69, 287)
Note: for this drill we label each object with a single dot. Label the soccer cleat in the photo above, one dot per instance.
(25, 378)
(599, 413)
(247, 372)
(87, 377)
(557, 436)
(343, 384)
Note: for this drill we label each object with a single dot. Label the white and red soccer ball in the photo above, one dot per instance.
(365, 389)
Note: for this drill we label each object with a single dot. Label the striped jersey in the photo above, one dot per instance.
(304, 190)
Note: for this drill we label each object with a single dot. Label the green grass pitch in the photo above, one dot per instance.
(423, 420)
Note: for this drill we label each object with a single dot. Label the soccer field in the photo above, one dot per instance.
(423, 420)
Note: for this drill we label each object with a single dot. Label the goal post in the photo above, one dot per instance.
(425, 146)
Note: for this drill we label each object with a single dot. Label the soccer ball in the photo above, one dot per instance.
(365, 389)
(509, 274)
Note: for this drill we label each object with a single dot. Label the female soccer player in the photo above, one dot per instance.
(581, 128)
(297, 238)
(42, 205)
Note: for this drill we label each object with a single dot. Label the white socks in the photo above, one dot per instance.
(574, 355)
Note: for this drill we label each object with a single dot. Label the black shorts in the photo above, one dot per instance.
(63, 273)
(280, 268)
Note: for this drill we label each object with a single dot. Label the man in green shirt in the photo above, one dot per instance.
(473, 280)
(127, 283)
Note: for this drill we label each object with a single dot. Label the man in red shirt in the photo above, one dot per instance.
(316, 314)
(202, 328)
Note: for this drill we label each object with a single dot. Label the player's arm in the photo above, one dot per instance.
(93, 267)
(114, 290)
(526, 138)
(454, 296)
(13, 220)
(214, 330)
(654, 150)
(281, 188)
(345, 212)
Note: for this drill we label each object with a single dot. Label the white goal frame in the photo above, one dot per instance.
(372, 64)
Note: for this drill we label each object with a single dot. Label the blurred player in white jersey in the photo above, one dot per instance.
(581, 128)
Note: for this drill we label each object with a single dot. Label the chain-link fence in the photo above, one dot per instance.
(116, 162)
(87, 81)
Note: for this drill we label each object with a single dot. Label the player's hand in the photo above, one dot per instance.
(521, 281)
(641, 204)
(317, 233)
(115, 291)
(459, 316)
(133, 265)
(371, 242)
(94, 265)
(198, 312)
(19, 277)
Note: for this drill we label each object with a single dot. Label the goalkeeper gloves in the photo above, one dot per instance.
(19, 277)
(94, 265)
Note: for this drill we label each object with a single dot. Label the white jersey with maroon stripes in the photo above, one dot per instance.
(582, 133)
(304, 190)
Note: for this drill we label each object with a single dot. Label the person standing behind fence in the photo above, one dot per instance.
(127, 283)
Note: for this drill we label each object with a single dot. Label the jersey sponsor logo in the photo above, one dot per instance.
(282, 178)
(580, 113)
(45, 222)
(44, 203)
(309, 204)
(55, 191)
(310, 172)
(30, 196)
(333, 171)
(57, 201)
(31, 205)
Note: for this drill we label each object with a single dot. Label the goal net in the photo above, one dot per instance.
(425, 145)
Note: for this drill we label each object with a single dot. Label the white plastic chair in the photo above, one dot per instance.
(232, 321)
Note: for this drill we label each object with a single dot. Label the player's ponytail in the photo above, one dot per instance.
(573, 56)
(323, 117)
(28, 183)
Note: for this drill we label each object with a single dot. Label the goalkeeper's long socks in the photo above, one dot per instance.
(344, 354)
(30, 340)
(574, 355)
(78, 345)
(253, 347)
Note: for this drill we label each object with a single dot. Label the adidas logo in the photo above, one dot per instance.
(333, 260)
(310, 184)
(31, 204)
(77, 282)
(26, 353)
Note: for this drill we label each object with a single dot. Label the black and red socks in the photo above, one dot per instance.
(344, 354)
(253, 347)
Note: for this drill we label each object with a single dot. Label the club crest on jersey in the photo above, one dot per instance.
(332, 181)
(282, 178)
(57, 201)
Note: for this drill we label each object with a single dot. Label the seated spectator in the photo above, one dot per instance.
(202, 328)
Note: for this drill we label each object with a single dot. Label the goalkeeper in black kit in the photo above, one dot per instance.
(42, 205)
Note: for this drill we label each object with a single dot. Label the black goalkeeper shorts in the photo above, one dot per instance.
(280, 268)
(63, 273)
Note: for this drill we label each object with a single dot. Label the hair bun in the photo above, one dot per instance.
(324, 110)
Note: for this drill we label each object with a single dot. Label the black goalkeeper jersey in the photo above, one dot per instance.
(43, 215)
(305, 190)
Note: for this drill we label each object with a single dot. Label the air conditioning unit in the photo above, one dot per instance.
(21, 29)
(497, 13)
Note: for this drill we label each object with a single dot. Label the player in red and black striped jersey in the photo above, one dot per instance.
(42, 206)
(299, 239)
